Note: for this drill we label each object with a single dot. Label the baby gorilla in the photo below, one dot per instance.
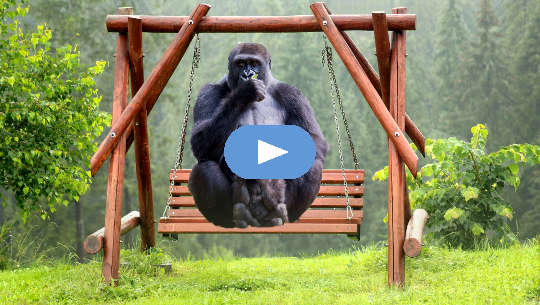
(248, 196)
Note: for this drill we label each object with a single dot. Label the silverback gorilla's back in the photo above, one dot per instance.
(249, 95)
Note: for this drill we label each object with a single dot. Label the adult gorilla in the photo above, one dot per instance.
(248, 95)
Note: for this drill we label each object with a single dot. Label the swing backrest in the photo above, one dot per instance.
(327, 214)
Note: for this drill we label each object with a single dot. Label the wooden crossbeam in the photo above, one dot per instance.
(262, 24)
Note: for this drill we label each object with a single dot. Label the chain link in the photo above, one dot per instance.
(182, 140)
(326, 56)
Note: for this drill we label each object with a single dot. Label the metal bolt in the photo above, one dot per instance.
(190, 21)
(113, 134)
(396, 134)
(137, 123)
(324, 22)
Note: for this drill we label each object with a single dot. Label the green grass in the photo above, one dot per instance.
(439, 276)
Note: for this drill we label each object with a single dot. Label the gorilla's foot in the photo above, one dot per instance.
(281, 210)
(273, 222)
(242, 216)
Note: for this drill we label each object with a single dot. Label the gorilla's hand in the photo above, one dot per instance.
(252, 90)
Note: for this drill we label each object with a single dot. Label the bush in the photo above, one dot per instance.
(49, 116)
(461, 190)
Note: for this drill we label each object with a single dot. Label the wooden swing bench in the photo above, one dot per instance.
(327, 215)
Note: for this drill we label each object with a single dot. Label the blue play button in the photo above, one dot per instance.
(269, 152)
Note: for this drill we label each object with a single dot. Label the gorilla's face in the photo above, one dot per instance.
(248, 61)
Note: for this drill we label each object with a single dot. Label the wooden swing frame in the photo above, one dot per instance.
(385, 95)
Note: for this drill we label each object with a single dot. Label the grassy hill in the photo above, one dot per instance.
(439, 276)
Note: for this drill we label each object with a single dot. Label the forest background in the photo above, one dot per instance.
(468, 62)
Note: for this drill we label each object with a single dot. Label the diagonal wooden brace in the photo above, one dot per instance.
(152, 87)
(410, 128)
(368, 91)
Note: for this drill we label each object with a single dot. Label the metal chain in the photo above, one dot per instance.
(326, 53)
(333, 80)
(182, 140)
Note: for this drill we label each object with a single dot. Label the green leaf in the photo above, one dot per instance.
(380, 175)
(470, 193)
(514, 169)
(505, 211)
(477, 229)
(453, 213)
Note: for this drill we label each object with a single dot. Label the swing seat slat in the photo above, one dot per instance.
(327, 215)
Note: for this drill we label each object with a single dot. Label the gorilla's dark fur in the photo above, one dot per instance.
(249, 95)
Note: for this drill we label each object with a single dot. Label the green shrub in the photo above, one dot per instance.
(49, 116)
(461, 190)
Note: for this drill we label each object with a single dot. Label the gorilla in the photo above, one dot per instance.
(249, 95)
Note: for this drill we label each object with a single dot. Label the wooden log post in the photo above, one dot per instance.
(396, 171)
(413, 237)
(372, 97)
(113, 211)
(382, 47)
(94, 242)
(142, 148)
(152, 87)
(259, 24)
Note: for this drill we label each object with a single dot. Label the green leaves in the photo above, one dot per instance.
(453, 213)
(461, 189)
(49, 115)
(470, 193)
(477, 229)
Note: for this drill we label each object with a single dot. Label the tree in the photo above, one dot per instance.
(450, 53)
(48, 114)
(487, 77)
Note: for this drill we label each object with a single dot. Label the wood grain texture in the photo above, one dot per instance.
(310, 216)
(382, 46)
(362, 81)
(397, 181)
(151, 88)
(320, 202)
(142, 146)
(288, 228)
(113, 209)
(328, 176)
(267, 24)
(413, 237)
(94, 242)
(325, 190)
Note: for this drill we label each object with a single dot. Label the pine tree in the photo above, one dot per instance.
(523, 114)
(486, 78)
(450, 53)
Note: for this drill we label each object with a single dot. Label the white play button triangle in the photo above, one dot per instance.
(267, 152)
